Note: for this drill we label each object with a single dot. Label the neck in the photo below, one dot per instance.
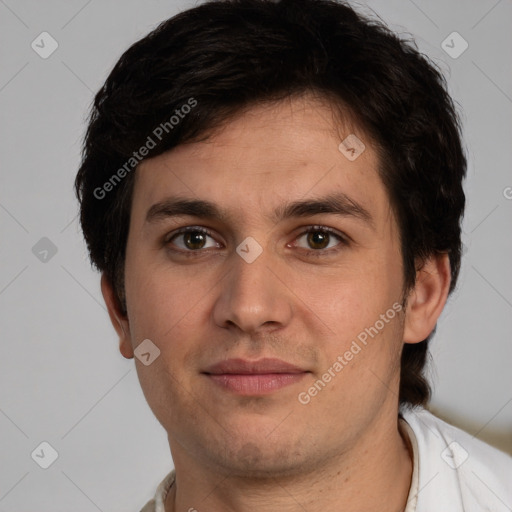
(373, 475)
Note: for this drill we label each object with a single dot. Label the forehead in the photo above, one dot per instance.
(265, 156)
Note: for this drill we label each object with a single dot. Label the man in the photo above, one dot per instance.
(273, 194)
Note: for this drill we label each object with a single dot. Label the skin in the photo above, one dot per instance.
(263, 453)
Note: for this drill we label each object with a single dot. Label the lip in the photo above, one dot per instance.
(246, 367)
(251, 378)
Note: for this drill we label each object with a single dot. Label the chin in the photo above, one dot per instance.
(258, 462)
(254, 454)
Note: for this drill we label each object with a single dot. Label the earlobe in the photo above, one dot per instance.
(426, 300)
(117, 317)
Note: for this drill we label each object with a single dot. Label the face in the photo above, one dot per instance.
(265, 266)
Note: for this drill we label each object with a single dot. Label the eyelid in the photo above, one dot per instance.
(187, 229)
(194, 229)
(343, 239)
(327, 229)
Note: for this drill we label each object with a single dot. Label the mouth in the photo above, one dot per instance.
(253, 378)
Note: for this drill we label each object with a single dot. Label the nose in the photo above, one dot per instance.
(252, 298)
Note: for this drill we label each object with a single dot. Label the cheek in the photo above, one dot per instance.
(164, 310)
(361, 308)
(352, 298)
(173, 310)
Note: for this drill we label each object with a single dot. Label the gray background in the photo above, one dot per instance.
(62, 379)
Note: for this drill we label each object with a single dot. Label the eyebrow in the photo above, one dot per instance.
(336, 203)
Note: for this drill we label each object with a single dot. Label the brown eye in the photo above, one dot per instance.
(318, 238)
(193, 239)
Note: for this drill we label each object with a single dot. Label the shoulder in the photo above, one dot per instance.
(456, 469)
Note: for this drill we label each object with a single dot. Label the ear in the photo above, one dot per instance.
(117, 317)
(427, 299)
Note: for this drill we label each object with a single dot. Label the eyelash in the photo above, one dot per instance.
(310, 229)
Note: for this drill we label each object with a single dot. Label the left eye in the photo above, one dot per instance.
(318, 238)
(192, 239)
